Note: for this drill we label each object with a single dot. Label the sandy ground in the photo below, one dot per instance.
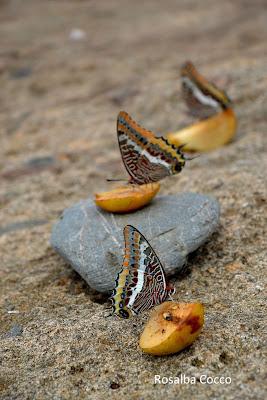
(59, 99)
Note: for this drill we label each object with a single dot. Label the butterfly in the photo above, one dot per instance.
(147, 158)
(141, 283)
(202, 97)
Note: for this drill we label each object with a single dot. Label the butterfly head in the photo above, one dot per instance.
(170, 289)
(178, 161)
(177, 167)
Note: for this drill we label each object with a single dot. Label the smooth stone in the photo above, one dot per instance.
(91, 240)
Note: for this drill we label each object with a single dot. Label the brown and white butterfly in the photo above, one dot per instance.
(147, 158)
(141, 283)
(202, 97)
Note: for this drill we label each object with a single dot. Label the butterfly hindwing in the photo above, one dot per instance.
(153, 289)
(147, 158)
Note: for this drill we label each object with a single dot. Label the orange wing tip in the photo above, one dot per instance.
(207, 134)
(124, 115)
(172, 327)
(188, 68)
(128, 198)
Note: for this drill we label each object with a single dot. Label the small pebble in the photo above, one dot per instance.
(77, 34)
(20, 73)
(16, 330)
(114, 385)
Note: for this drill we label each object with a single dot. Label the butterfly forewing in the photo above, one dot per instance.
(147, 158)
(201, 96)
(141, 284)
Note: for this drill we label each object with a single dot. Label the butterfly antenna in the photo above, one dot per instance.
(116, 180)
(191, 158)
(182, 146)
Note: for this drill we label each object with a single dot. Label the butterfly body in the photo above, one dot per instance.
(141, 283)
(147, 158)
(202, 97)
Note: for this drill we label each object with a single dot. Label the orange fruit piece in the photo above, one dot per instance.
(207, 134)
(172, 327)
(128, 198)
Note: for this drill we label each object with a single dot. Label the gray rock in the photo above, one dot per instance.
(16, 330)
(91, 240)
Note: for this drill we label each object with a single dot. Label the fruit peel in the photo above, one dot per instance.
(127, 198)
(172, 327)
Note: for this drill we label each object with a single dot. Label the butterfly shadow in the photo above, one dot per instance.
(199, 258)
(74, 284)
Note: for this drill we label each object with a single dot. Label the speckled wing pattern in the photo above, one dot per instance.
(141, 284)
(201, 96)
(147, 158)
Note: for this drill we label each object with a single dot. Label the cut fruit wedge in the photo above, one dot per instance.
(207, 134)
(127, 198)
(172, 327)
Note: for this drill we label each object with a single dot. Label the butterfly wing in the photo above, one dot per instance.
(202, 97)
(146, 158)
(147, 285)
(141, 283)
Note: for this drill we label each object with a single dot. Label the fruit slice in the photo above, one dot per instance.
(207, 134)
(127, 198)
(172, 327)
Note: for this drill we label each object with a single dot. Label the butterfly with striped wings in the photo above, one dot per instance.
(202, 97)
(147, 158)
(141, 283)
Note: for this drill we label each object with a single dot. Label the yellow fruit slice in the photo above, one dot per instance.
(172, 327)
(128, 198)
(207, 134)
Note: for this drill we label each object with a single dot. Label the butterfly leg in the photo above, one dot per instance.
(171, 298)
(109, 311)
(106, 315)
